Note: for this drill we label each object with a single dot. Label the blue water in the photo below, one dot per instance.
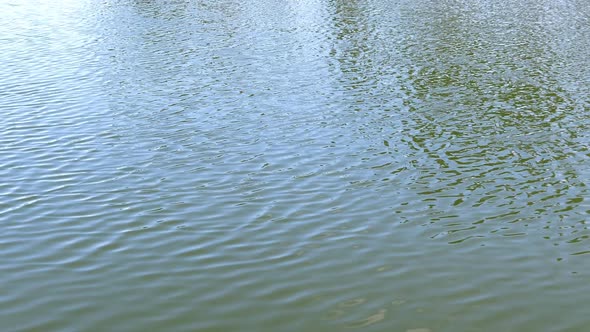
(294, 165)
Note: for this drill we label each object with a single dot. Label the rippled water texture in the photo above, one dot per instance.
(294, 165)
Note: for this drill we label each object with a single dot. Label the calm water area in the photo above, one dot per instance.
(295, 165)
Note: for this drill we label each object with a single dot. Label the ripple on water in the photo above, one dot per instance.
(293, 165)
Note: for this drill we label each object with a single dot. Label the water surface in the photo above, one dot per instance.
(294, 165)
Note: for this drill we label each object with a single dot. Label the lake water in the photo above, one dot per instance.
(295, 165)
